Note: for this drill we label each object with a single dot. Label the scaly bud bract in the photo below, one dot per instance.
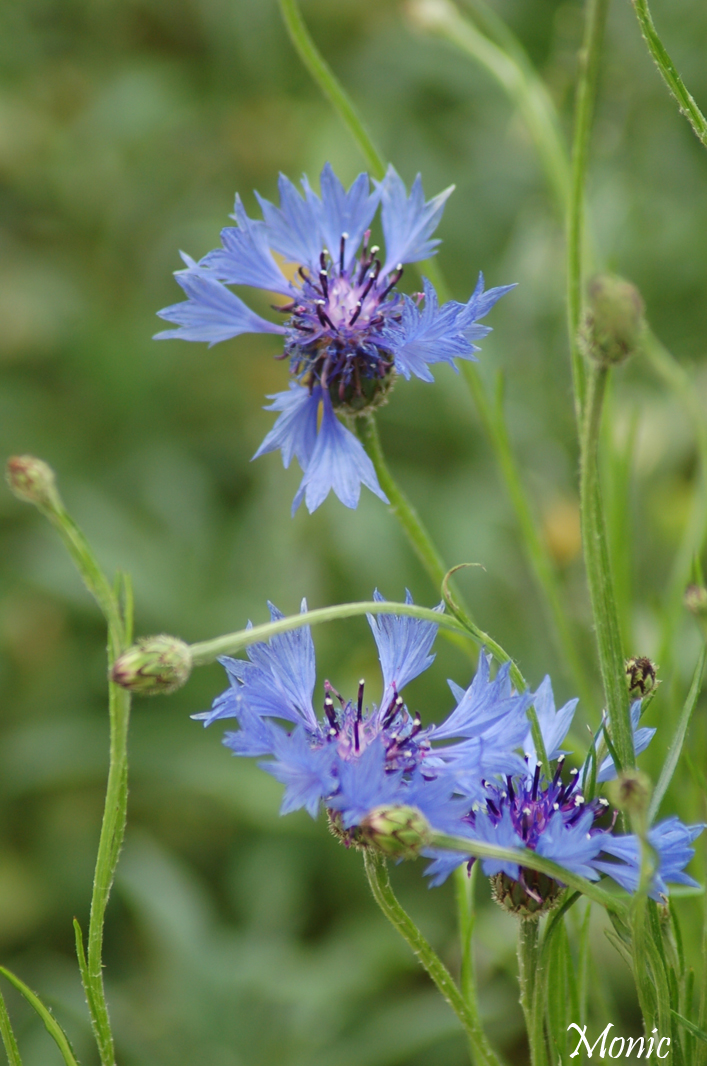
(613, 322)
(631, 792)
(398, 832)
(640, 676)
(32, 480)
(153, 665)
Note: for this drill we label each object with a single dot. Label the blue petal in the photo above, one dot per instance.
(365, 784)
(257, 736)
(478, 306)
(504, 835)
(642, 737)
(212, 313)
(554, 725)
(285, 668)
(295, 431)
(434, 335)
(484, 704)
(571, 846)
(306, 772)
(345, 212)
(338, 462)
(403, 647)
(245, 258)
(293, 228)
(408, 222)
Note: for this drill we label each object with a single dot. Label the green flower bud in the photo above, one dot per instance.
(613, 322)
(513, 897)
(32, 480)
(631, 792)
(640, 675)
(696, 600)
(154, 665)
(398, 832)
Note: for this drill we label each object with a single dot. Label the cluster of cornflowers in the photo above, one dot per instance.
(347, 331)
(477, 775)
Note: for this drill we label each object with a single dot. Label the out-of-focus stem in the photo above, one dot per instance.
(596, 558)
(509, 65)
(465, 883)
(595, 19)
(328, 83)
(541, 565)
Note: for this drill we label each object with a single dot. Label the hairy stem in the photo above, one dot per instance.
(379, 880)
(465, 883)
(528, 957)
(596, 557)
(669, 74)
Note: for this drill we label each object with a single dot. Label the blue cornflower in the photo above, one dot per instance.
(523, 809)
(347, 331)
(356, 758)
(670, 840)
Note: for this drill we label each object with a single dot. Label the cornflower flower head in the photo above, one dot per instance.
(357, 759)
(554, 818)
(347, 331)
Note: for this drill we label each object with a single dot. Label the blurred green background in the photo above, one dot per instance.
(234, 937)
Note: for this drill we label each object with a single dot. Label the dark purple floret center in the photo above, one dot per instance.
(352, 729)
(335, 333)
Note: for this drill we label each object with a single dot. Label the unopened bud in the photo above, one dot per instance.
(154, 665)
(613, 322)
(640, 675)
(32, 480)
(399, 832)
(696, 600)
(631, 792)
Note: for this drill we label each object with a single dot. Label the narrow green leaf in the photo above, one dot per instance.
(8, 1037)
(51, 1024)
(690, 1026)
(673, 755)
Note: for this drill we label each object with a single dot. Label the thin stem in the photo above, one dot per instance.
(327, 82)
(207, 651)
(669, 74)
(379, 880)
(595, 19)
(596, 557)
(422, 544)
(465, 885)
(540, 561)
(115, 809)
(528, 955)
(511, 68)
(479, 849)
(8, 1037)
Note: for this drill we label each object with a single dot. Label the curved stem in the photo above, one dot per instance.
(596, 557)
(510, 66)
(379, 880)
(595, 19)
(327, 82)
(669, 74)
(479, 849)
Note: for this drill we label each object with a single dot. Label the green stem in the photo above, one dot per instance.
(379, 880)
(8, 1037)
(541, 564)
(327, 82)
(596, 557)
(528, 957)
(422, 544)
(595, 19)
(510, 66)
(115, 809)
(530, 859)
(465, 884)
(669, 74)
